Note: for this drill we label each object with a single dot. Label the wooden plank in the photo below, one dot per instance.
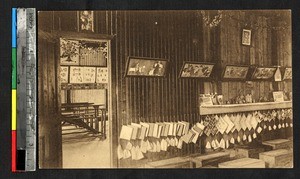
(279, 143)
(177, 162)
(280, 158)
(209, 159)
(243, 163)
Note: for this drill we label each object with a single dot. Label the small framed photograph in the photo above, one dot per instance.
(235, 72)
(263, 73)
(246, 37)
(278, 96)
(86, 21)
(205, 100)
(69, 52)
(287, 75)
(196, 70)
(146, 67)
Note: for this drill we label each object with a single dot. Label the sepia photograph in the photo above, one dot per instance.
(165, 89)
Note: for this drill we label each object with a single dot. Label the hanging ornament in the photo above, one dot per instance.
(216, 20)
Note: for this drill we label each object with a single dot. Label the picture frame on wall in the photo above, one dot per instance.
(86, 21)
(146, 67)
(246, 37)
(69, 51)
(235, 72)
(263, 73)
(278, 96)
(64, 74)
(196, 70)
(288, 73)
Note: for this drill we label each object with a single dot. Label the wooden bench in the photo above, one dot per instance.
(249, 151)
(243, 163)
(279, 143)
(177, 162)
(209, 160)
(280, 158)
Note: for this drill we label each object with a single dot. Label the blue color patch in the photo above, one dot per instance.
(14, 28)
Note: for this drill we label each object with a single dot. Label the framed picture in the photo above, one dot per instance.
(205, 100)
(246, 37)
(89, 75)
(263, 73)
(93, 53)
(146, 67)
(278, 96)
(102, 75)
(235, 72)
(86, 21)
(287, 75)
(69, 52)
(64, 74)
(76, 74)
(196, 70)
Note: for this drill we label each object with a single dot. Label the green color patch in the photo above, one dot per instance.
(14, 68)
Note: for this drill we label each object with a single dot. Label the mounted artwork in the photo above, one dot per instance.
(246, 37)
(89, 75)
(102, 75)
(146, 67)
(64, 74)
(86, 21)
(69, 52)
(287, 73)
(263, 73)
(234, 72)
(196, 70)
(76, 74)
(93, 53)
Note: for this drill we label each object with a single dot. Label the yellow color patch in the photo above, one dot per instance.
(14, 109)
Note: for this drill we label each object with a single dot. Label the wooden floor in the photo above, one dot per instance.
(84, 150)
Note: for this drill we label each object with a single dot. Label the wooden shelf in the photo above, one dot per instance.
(233, 108)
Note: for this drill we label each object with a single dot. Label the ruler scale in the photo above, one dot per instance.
(26, 89)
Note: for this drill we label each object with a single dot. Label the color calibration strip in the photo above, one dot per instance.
(14, 90)
(23, 89)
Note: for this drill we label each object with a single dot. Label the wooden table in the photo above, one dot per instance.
(243, 163)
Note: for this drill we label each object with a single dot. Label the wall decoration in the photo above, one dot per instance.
(102, 75)
(278, 96)
(94, 53)
(235, 72)
(246, 37)
(69, 52)
(146, 67)
(287, 73)
(86, 21)
(89, 75)
(263, 73)
(196, 70)
(64, 74)
(76, 74)
(277, 75)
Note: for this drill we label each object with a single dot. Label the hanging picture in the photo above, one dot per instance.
(89, 75)
(196, 70)
(69, 52)
(86, 21)
(64, 74)
(235, 72)
(287, 73)
(94, 53)
(102, 75)
(246, 37)
(76, 74)
(263, 73)
(146, 67)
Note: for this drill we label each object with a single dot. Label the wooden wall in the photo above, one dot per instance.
(177, 37)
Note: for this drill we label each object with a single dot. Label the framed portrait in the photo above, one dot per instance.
(196, 70)
(287, 75)
(86, 21)
(64, 74)
(246, 37)
(69, 52)
(278, 96)
(263, 73)
(235, 72)
(146, 67)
